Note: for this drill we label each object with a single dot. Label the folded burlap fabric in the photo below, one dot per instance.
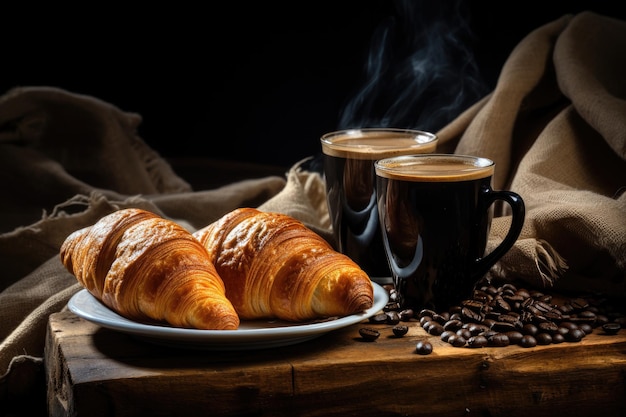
(67, 160)
(555, 125)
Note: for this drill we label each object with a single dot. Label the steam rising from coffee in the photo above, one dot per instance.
(420, 72)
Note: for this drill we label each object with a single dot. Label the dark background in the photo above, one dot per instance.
(261, 81)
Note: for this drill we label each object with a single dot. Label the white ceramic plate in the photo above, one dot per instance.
(250, 335)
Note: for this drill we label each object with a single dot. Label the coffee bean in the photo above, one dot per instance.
(574, 335)
(435, 329)
(473, 305)
(457, 340)
(562, 330)
(453, 325)
(543, 338)
(427, 312)
(548, 327)
(514, 337)
(586, 327)
(400, 330)
(611, 328)
(501, 304)
(423, 347)
(528, 341)
(427, 324)
(440, 318)
(569, 325)
(477, 341)
(503, 326)
(369, 334)
(446, 335)
(579, 303)
(477, 328)
(393, 317)
(391, 306)
(498, 340)
(406, 314)
(488, 334)
(471, 315)
(587, 314)
(464, 333)
(566, 308)
(558, 338)
(601, 319)
(530, 329)
(378, 318)
(542, 307)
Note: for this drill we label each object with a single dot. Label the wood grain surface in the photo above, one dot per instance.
(94, 371)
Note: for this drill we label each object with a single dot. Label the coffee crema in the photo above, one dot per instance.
(373, 144)
(436, 168)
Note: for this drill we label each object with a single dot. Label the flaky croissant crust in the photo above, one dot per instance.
(273, 266)
(148, 268)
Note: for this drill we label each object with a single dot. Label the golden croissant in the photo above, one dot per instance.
(148, 268)
(273, 266)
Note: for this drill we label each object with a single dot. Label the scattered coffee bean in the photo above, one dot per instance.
(506, 315)
(611, 328)
(400, 330)
(406, 314)
(427, 312)
(393, 317)
(378, 318)
(423, 347)
(369, 334)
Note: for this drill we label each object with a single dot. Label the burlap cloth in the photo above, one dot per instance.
(555, 124)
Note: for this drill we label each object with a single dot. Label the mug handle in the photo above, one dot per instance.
(516, 203)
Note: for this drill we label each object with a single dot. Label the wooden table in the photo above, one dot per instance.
(94, 372)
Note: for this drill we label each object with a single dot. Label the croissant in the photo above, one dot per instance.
(273, 266)
(147, 268)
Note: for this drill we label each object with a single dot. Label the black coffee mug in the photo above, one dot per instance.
(435, 214)
(349, 157)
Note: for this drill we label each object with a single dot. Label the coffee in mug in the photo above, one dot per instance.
(349, 157)
(435, 215)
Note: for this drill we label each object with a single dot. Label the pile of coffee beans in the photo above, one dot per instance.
(499, 316)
